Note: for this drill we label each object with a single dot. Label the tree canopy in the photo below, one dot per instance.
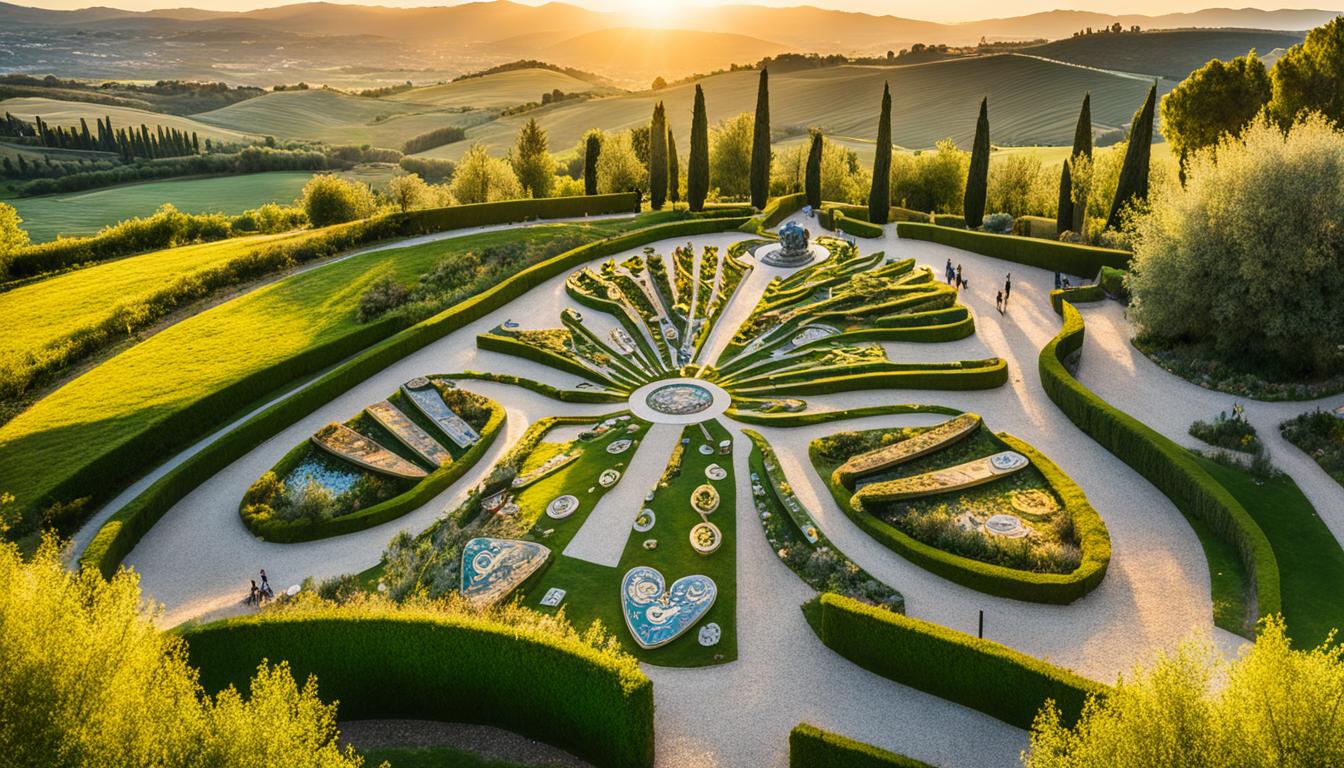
(1310, 76)
(481, 178)
(730, 156)
(532, 161)
(1219, 97)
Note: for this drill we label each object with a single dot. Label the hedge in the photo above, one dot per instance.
(506, 345)
(66, 252)
(855, 227)
(820, 417)
(555, 393)
(1053, 588)
(986, 375)
(1168, 466)
(1036, 226)
(976, 673)
(384, 664)
(123, 529)
(811, 747)
(291, 531)
(776, 210)
(1076, 295)
(1069, 258)
(950, 220)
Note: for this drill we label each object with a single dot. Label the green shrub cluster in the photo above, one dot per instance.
(387, 664)
(977, 673)
(124, 528)
(1166, 465)
(1069, 258)
(1112, 281)
(308, 529)
(811, 747)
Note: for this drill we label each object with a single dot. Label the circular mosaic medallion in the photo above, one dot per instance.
(1007, 461)
(619, 446)
(710, 634)
(680, 399)
(1007, 526)
(706, 450)
(608, 478)
(562, 507)
(705, 538)
(715, 472)
(644, 523)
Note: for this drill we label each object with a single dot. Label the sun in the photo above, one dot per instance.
(653, 13)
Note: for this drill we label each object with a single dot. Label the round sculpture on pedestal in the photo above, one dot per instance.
(793, 249)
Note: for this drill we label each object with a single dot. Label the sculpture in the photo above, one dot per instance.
(794, 249)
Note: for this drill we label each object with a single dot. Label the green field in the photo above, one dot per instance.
(335, 118)
(114, 403)
(1172, 54)
(500, 89)
(68, 113)
(83, 213)
(1031, 102)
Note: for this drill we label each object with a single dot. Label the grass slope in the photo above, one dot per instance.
(1031, 102)
(115, 402)
(68, 113)
(501, 89)
(336, 118)
(1311, 563)
(1172, 54)
(83, 213)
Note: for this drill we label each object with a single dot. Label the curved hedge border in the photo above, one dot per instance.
(123, 529)
(385, 664)
(1075, 295)
(494, 342)
(980, 674)
(291, 531)
(1162, 462)
(853, 226)
(775, 211)
(821, 417)
(1054, 588)
(555, 393)
(1047, 254)
(811, 747)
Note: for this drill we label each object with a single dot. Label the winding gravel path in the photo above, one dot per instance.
(198, 559)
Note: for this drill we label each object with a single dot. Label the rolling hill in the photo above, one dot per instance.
(499, 89)
(336, 118)
(1171, 54)
(648, 53)
(68, 113)
(1031, 102)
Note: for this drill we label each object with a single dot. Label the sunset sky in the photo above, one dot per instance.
(663, 12)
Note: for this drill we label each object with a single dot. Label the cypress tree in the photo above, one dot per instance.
(760, 145)
(1134, 173)
(879, 197)
(673, 170)
(697, 172)
(1064, 216)
(812, 178)
(658, 158)
(1082, 133)
(977, 178)
(592, 147)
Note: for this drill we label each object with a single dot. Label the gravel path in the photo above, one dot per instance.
(198, 559)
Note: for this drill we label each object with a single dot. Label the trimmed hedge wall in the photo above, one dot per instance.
(811, 747)
(989, 374)
(67, 252)
(555, 393)
(494, 342)
(1047, 254)
(1162, 462)
(1054, 588)
(976, 673)
(820, 417)
(1075, 295)
(776, 210)
(854, 226)
(384, 664)
(291, 531)
(950, 220)
(123, 529)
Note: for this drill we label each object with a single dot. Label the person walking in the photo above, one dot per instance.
(959, 283)
(1007, 289)
(998, 302)
(949, 272)
(254, 596)
(1058, 283)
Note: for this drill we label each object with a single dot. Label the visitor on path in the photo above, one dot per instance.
(959, 282)
(1007, 289)
(254, 596)
(1058, 283)
(949, 272)
(264, 581)
(998, 302)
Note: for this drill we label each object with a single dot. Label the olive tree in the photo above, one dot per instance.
(1248, 257)
(730, 156)
(481, 178)
(328, 199)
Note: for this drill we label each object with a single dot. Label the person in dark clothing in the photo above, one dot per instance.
(254, 596)
(1058, 283)
(998, 302)
(949, 272)
(959, 283)
(1007, 289)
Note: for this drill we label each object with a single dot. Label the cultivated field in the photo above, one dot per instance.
(1172, 54)
(1031, 102)
(501, 89)
(83, 213)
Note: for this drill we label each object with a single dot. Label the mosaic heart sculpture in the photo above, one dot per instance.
(657, 614)
(492, 568)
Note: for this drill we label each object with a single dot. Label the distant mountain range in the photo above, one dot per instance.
(240, 46)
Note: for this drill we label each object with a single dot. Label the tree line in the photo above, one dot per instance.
(128, 143)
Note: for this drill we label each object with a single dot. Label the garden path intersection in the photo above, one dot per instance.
(1156, 591)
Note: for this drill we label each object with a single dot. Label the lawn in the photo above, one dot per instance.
(594, 590)
(83, 213)
(1311, 563)
(116, 402)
